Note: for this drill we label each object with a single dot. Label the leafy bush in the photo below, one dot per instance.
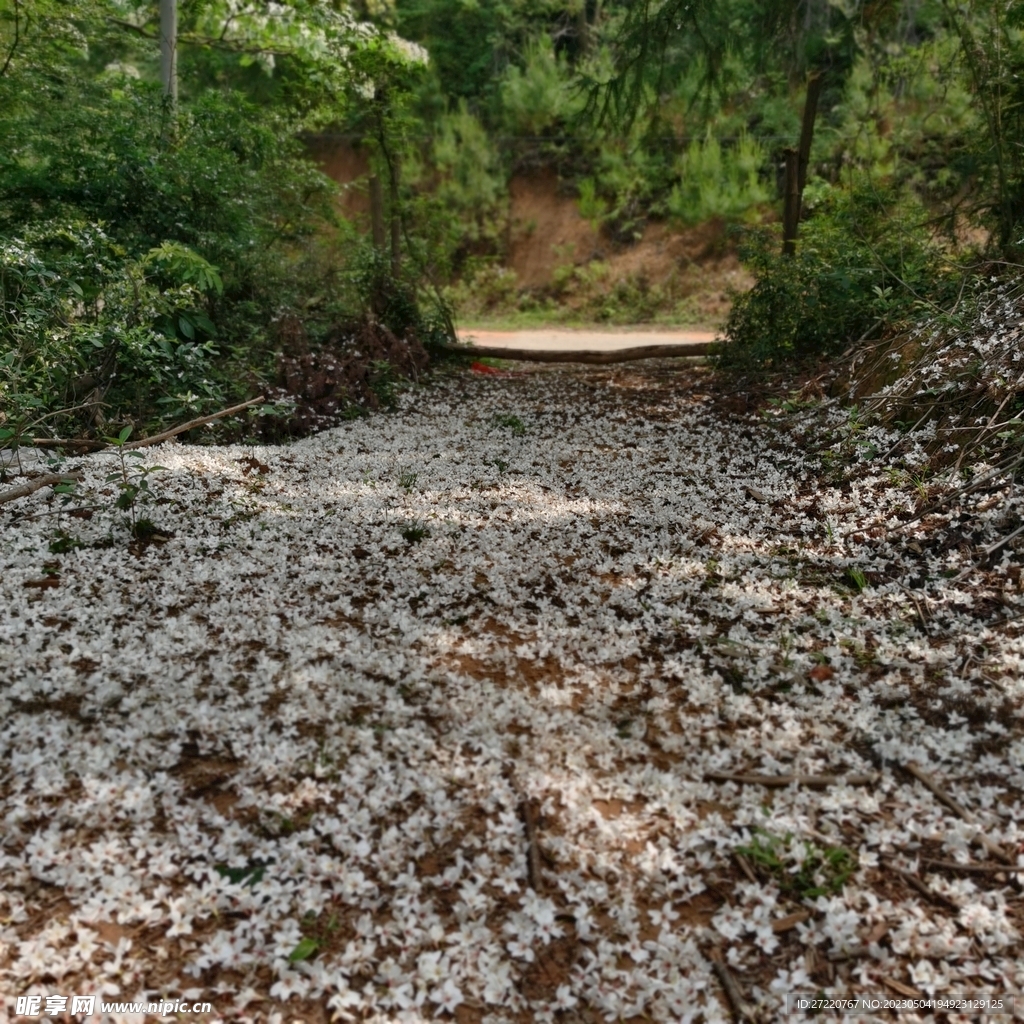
(87, 331)
(863, 260)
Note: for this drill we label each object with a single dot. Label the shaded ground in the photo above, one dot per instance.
(424, 717)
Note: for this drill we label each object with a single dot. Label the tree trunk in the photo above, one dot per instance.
(169, 50)
(377, 212)
(797, 161)
(396, 223)
(814, 83)
(791, 209)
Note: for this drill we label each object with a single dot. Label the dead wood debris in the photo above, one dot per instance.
(37, 484)
(742, 1011)
(780, 781)
(533, 866)
(931, 784)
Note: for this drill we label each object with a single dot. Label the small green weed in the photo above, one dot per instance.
(794, 403)
(248, 874)
(132, 481)
(510, 422)
(63, 542)
(306, 948)
(856, 580)
(807, 871)
(415, 533)
(385, 383)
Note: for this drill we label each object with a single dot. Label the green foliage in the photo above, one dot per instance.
(991, 34)
(717, 182)
(537, 97)
(132, 481)
(84, 330)
(863, 259)
(509, 421)
(146, 255)
(804, 869)
(182, 266)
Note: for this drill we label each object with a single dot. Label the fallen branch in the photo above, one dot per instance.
(192, 424)
(921, 886)
(37, 484)
(70, 442)
(740, 1007)
(994, 549)
(780, 781)
(622, 355)
(970, 869)
(930, 783)
(94, 445)
(533, 868)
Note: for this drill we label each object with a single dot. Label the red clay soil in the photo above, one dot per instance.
(546, 231)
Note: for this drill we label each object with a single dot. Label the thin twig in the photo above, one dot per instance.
(921, 886)
(745, 867)
(1008, 466)
(922, 617)
(68, 442)
(740, 1007)
(940, 794)
(192, 424)
(533, 869)
(994, 549)
(38, 483)
(970, 869)
(780, 781)
(988, 428)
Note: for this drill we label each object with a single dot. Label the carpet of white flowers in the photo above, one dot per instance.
(418, 719)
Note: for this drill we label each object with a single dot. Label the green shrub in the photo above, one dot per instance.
(863, 260)
(89, 333)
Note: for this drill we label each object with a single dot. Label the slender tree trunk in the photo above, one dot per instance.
(169, 50)
(377, 212)
(814, 84)
(396, 223)
(797, 161)
(791, 207)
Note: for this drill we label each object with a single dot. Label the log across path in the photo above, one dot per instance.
(564, 345)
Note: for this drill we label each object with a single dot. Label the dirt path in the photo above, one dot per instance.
(564, 339)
